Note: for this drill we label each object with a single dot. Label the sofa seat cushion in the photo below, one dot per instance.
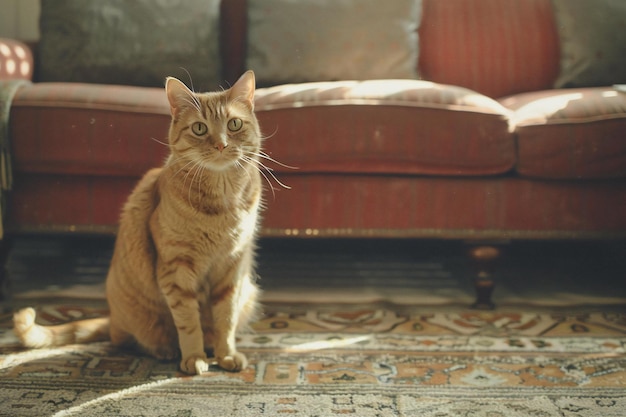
(385, 127)
(571, 134)
(88, 129)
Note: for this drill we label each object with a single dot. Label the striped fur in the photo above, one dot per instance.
(181, 280)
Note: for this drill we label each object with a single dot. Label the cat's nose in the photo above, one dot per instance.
(220, 146)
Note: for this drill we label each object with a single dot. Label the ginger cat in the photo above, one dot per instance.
(182, 275)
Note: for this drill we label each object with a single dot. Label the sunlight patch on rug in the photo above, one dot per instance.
(91, 407)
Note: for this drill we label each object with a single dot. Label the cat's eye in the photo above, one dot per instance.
(235, 124)
(199, 128)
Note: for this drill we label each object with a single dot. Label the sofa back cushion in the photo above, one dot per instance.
(137, 42)
(328, 40)
(593, 42)
(495, 47)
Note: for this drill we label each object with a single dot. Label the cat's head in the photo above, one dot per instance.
(217, 130)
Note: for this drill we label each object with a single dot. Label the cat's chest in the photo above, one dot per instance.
(206, 233)
(204, 228)
(226, 231)
(218, 200)
(203, 246)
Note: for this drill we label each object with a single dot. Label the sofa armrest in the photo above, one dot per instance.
(16, 60)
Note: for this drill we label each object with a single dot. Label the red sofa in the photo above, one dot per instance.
(481, 146)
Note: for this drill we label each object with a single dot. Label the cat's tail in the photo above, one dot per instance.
(33, 335)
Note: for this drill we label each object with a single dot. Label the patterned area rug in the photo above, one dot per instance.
(338, 360)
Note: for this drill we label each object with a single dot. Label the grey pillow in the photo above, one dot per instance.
(326, 40)
(137, 42)
(592, 34)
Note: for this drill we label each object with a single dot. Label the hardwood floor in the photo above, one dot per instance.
(531, 271)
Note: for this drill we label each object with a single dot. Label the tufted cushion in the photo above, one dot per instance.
(325, 40)
(593, 42)
(571, 134)
(137, 42)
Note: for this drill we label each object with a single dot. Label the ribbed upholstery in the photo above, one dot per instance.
(62, 202)
(500, 207)
(495, 47)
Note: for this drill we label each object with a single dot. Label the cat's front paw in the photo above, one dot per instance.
(195, 365)
(233, 363)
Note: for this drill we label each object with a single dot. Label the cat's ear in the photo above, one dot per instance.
(178, 95)
(243, 89)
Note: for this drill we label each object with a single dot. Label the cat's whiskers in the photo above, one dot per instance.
(174, 162)
(264, 155)
(258, 153)
(264, 138)
(253, 163)
(263, 169)
(186, 171)
(200, 183)
(241, 167)
(197, 167)
(270, 171)
(160, 142)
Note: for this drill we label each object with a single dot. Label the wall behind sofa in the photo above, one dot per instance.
(19, 19)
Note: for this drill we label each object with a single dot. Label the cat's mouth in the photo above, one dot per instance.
(221, 159)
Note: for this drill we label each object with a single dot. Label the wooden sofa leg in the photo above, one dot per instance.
(484, 259)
